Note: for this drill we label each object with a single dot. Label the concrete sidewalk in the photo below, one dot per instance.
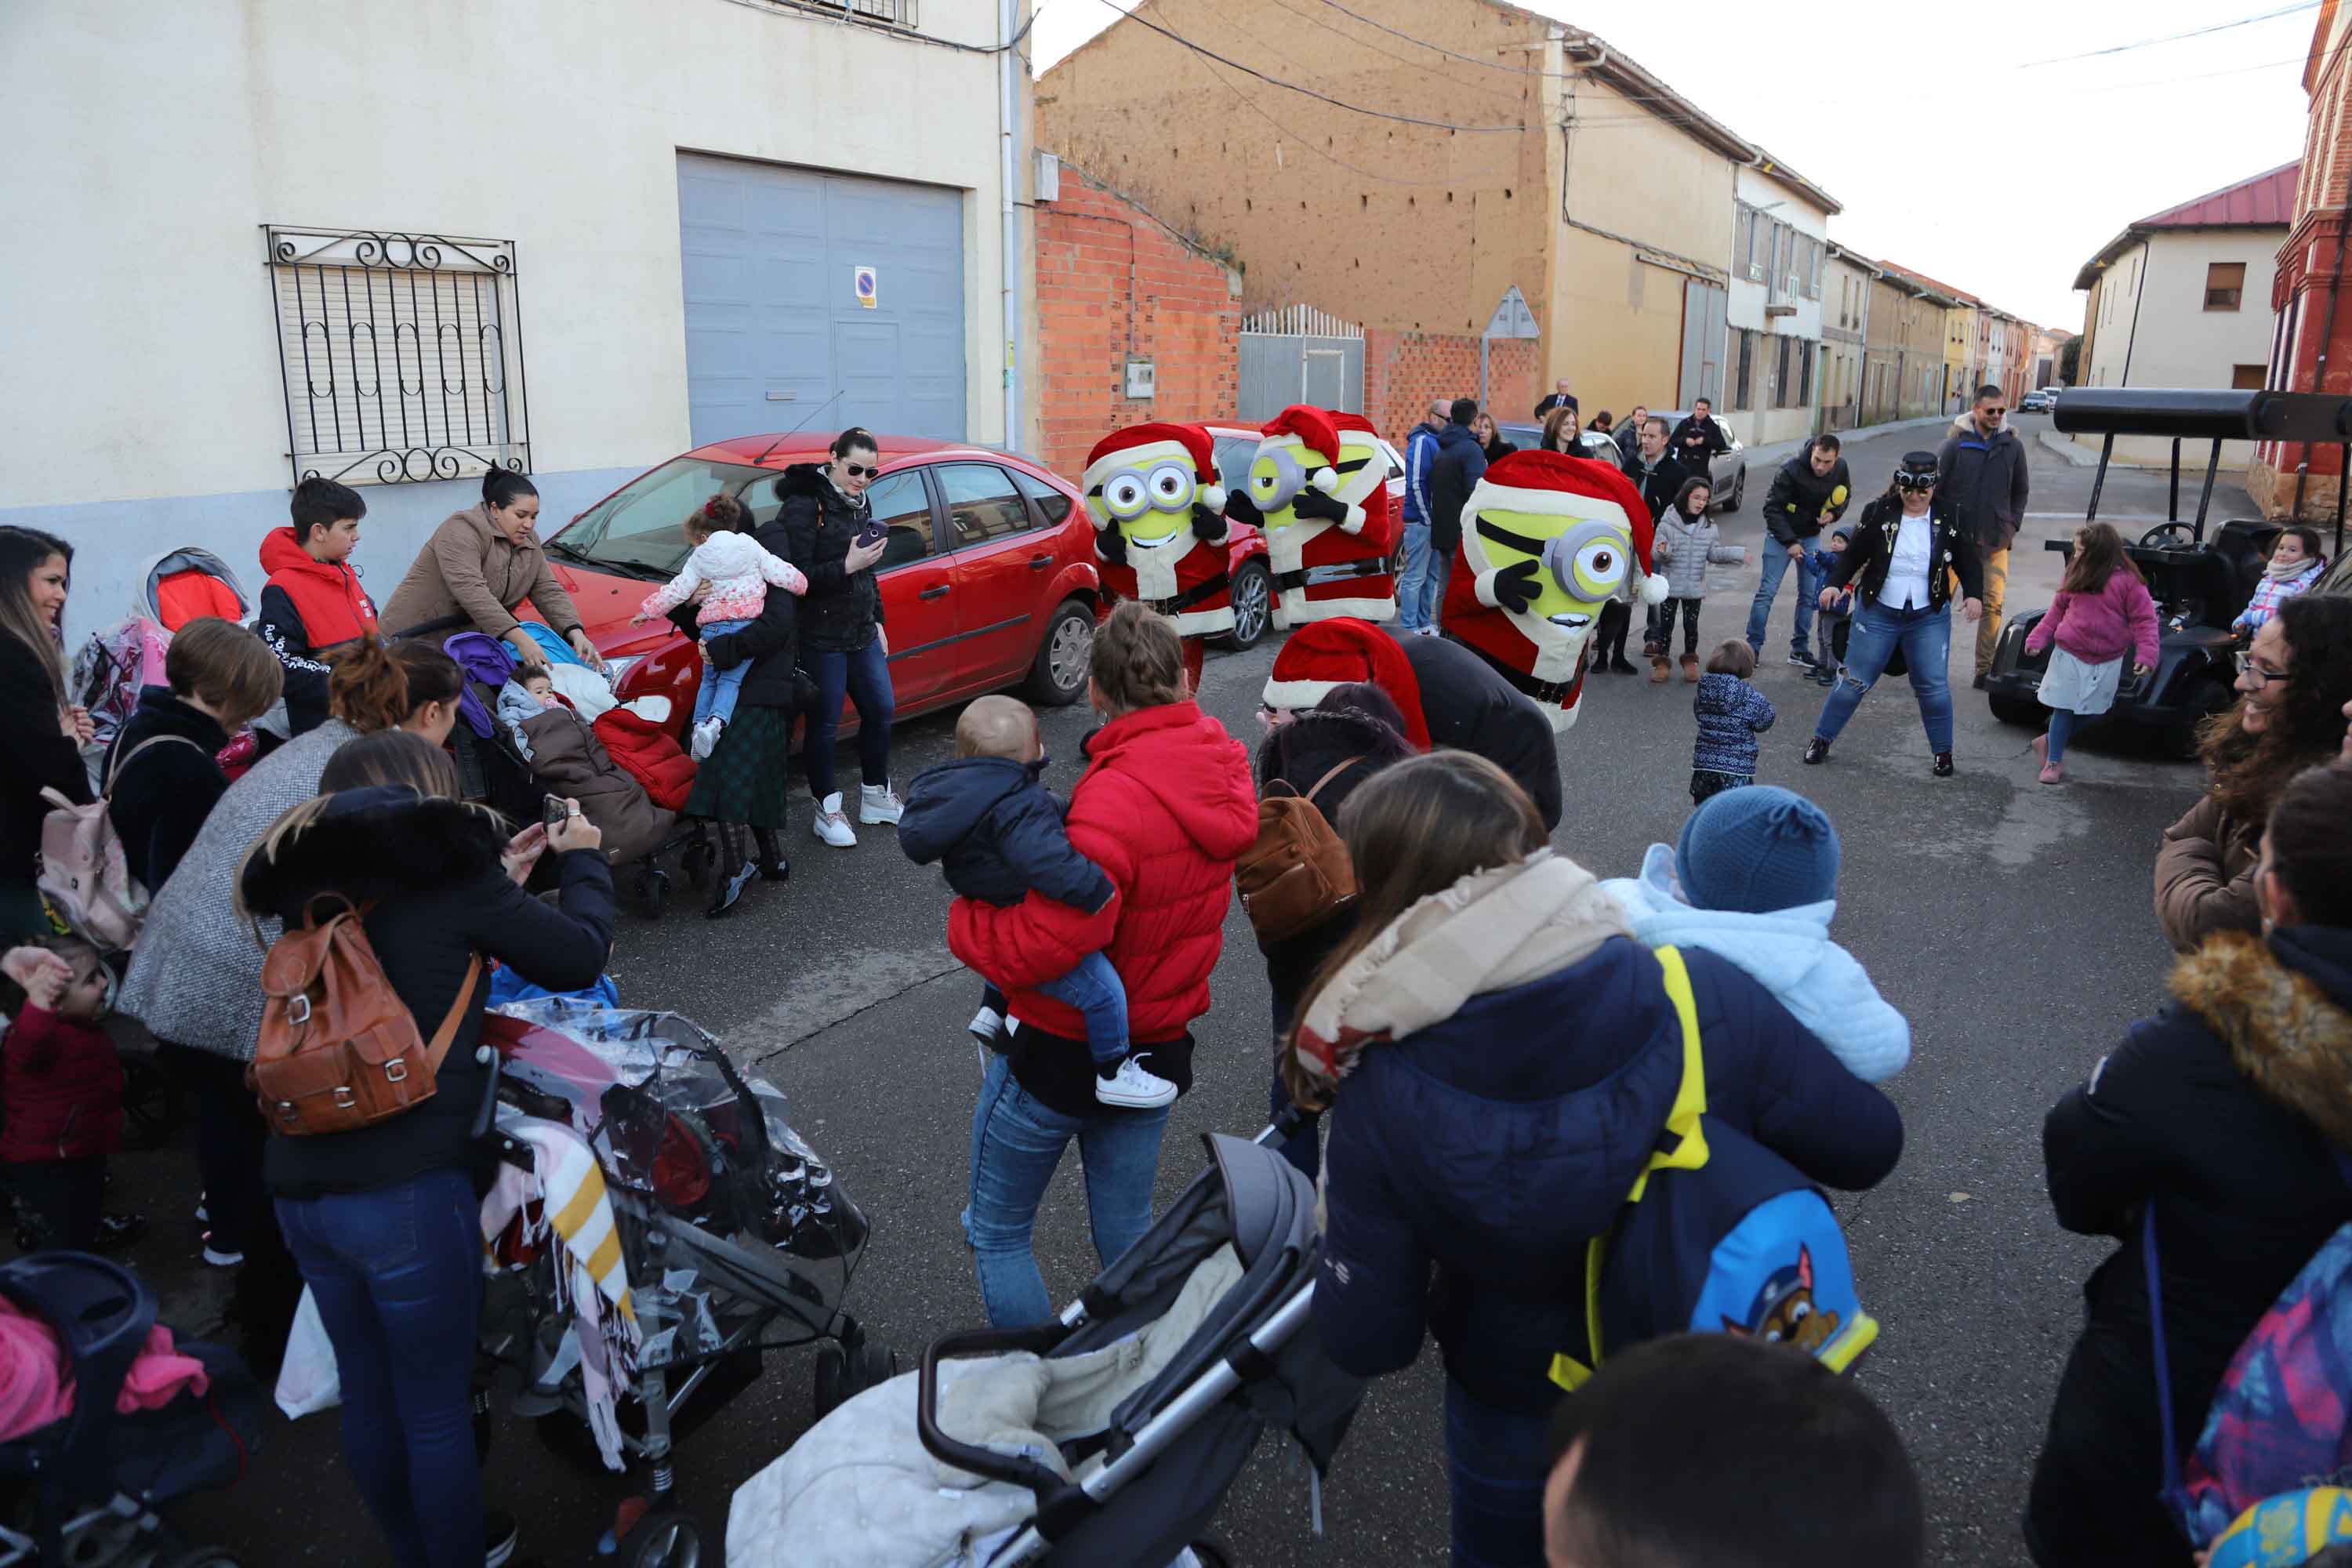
(1780, 452)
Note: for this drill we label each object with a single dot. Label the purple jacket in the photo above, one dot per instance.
(2119, 618)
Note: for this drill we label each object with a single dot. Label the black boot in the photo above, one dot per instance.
(773, 867)
(734, 870)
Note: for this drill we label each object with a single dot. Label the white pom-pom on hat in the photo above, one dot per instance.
(1213, 496)
(1326, 480)
(1653, 589)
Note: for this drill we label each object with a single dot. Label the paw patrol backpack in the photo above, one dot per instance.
(1719, 1235)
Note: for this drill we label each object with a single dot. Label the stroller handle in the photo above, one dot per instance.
(1059, 1503)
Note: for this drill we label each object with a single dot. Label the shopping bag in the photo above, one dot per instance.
(307, 1381)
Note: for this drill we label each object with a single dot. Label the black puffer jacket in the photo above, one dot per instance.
(432, 869)
(841, 609)
(160, 802)
(1794, 509)
(772, 642)
(998, 833)
(2224, 1111)
(1468, 705)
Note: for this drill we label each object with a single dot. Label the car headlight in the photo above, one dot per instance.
(616, 670)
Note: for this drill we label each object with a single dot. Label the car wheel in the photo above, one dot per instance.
(1739, 494)
(1059, 675)
(2211, 694)
(1253, 607)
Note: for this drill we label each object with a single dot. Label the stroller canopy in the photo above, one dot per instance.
(188, 582)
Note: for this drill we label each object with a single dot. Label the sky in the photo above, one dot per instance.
(1965, 161)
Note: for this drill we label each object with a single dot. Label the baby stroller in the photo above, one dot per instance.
(88, 1485)
(493, 767)
(177, 587)
(1107, 1437)
(735, 1238)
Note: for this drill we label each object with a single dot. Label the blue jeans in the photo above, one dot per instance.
(1434, 584)
(1016, 1141)
(2062, 727)
(1808, 592)
(716, 697)
(1095, 989)
(865, 677)
(397, 1271)
(1495, 1465)
(1412, 613)
(1924, 635)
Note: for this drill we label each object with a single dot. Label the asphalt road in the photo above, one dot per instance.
(2010, 921)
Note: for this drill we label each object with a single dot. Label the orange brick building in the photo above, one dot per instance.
(1117, 288)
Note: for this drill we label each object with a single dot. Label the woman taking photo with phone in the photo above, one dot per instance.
(829, 525)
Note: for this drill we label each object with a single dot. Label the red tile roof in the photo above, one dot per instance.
(2262, 202)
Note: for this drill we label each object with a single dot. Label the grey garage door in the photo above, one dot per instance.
(775, 322)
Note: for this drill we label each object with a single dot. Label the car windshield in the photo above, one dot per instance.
(637, 530)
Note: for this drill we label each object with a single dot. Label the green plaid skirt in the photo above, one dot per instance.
(743, 780)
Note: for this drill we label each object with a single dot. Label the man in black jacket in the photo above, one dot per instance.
(1653, 471)
(1460, 464)
(1554, 398)
(1981, 474)
(1698, 438)
(1809, 494)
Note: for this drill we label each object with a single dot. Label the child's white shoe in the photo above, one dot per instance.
(878, 804)
(705, 737)
(830, 826)
(1134, 1087)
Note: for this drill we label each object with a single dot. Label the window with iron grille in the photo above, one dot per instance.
(401, 354)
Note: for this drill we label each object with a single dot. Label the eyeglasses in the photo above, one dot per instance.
(859, 471)
(1994, 412)
(2260, 674)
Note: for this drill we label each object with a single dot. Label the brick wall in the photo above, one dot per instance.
(1114, 283)
(1403, 371)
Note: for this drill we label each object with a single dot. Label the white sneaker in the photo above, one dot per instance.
(1134, 1087)
(705, 737)
(879, 803)
(830, 826)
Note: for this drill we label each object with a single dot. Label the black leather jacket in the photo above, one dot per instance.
(1865, 558)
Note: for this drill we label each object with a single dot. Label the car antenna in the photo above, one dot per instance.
(762, 460)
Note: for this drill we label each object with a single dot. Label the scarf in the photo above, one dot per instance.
(2279, 571)
(1492, 931)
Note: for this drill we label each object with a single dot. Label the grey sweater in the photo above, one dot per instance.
(196, 976)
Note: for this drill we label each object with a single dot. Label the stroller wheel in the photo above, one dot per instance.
(697, 862)
(662, 1540)
(832, 1380)
(871, 1366)
(656, 892)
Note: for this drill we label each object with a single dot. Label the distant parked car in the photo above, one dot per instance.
(2038, 401)
(1597, 444)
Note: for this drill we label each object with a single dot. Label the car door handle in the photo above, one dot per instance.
(1039, 563)
(934, 592)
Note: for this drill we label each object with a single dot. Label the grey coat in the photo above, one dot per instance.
(1692, 545)
(196, 976)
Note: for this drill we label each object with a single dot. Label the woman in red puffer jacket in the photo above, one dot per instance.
(1165, 808)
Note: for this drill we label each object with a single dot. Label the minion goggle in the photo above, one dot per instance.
(1276, 478)
(1128, 493)
(1588, 561)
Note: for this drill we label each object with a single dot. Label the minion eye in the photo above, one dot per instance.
(1600, 566)
(1125, 495)
(1171, 486)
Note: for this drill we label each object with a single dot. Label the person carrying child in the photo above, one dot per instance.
(738, 570)
(63, 1094)
(1731, 715)
(1837, 611)
(2103, 611)
(2295, 565)
(1687, 540)
(1754, 879)
(998, 833)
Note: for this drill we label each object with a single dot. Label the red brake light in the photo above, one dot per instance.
(681, 1173)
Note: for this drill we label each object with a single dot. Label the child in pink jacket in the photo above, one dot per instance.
(2102, 612)
(738, 572)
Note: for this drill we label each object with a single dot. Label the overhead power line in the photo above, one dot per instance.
(2176, 38)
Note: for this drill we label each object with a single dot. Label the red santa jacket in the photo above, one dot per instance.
(1487, 630)
(1343, 573)
(64, 1089)
(1197, 593)
(1165, 807)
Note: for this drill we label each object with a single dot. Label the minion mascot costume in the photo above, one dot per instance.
(1159, 528)
(1547, 541)
(1321, 486)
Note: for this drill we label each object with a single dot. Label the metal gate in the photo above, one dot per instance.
(1299, 354)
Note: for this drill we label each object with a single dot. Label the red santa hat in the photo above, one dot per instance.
(1319, 434)
(1194, 438)
(1554, 484)
(1322, 655)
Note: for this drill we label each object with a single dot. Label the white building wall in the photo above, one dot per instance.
(1749, 299)
(2176, 341)
(150, 144)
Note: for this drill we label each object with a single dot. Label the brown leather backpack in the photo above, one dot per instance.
(1297, 871)
(339, 1051)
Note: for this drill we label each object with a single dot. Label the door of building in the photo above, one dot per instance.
(1706, 334)
(819, 301)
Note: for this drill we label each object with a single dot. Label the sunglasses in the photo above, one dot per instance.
(1913, 485)
(859, 471)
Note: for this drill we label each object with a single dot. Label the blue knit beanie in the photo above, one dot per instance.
(1756, 849)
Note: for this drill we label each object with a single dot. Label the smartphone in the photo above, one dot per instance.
(552, 811)
(873, 532)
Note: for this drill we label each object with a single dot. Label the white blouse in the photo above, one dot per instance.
(1909, 564)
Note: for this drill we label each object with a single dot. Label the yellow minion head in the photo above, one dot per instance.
(1304, 473)
(1551, 538)
(1144, 481)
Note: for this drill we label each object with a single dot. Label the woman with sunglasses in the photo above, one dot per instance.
(1904, 554)
(826, 515)
(2297, 680)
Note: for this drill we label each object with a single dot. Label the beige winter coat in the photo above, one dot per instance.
(2205, 876)
(567, 759)
(469, 568)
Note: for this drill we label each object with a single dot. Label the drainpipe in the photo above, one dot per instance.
(2138, 296)
(2320, 367)
(1008, 128)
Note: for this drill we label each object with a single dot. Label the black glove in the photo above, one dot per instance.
(1208, 525)
(1315, 507)
(1515, 586)
(1110, 544)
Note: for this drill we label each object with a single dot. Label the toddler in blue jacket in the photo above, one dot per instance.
(1731, 715)
(1754, 879)
(1837, 624)
(996, 831)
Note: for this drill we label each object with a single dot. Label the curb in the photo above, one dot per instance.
(2067, 448)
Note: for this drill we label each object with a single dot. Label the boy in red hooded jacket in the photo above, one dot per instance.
(313, 603)
(1165, 807)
